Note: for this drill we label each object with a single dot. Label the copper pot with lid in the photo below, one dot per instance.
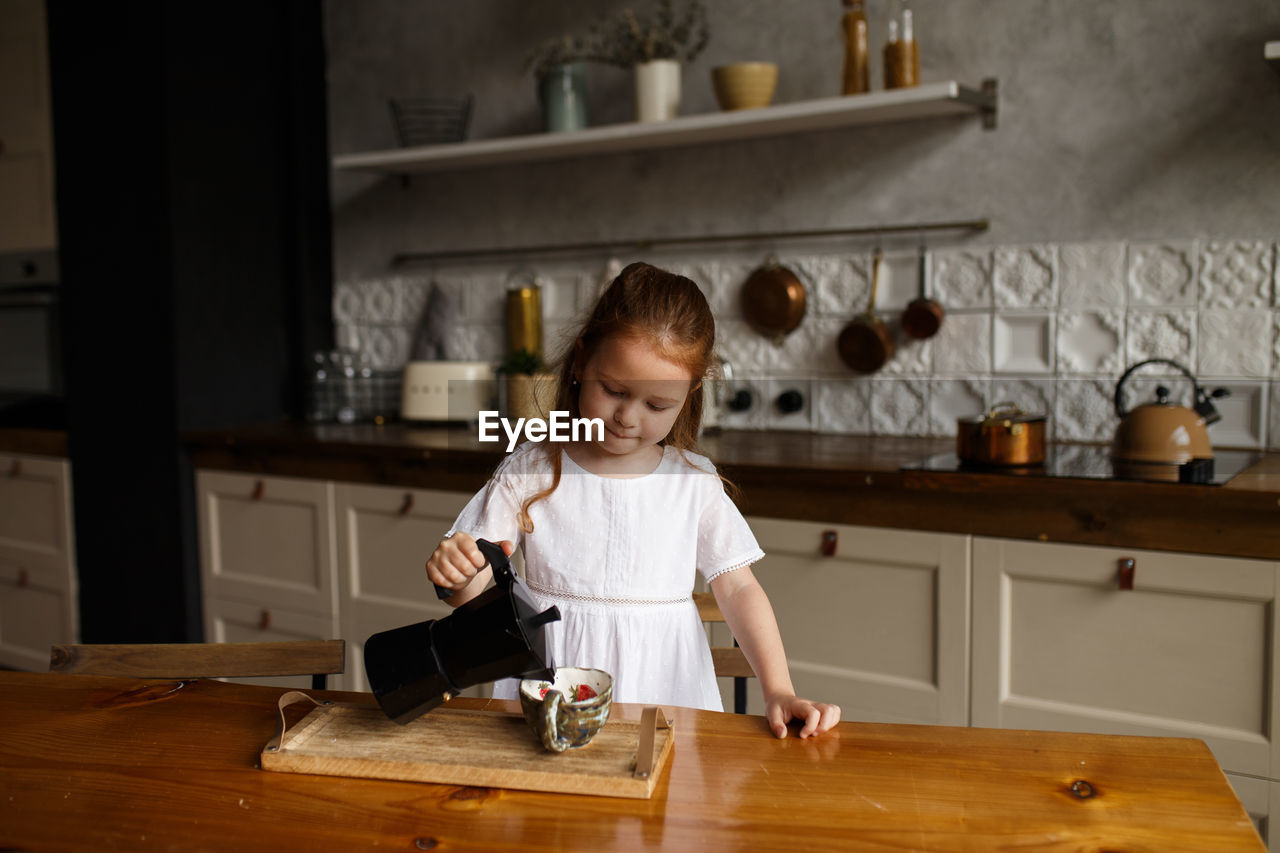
(1157, 440)
(1005, 436)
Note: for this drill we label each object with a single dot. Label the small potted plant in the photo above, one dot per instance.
(559, 66)
(655, 46)
(526, 388)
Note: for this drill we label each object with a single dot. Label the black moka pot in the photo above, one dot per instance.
(498, 634)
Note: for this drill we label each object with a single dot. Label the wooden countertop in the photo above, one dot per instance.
(103, 763)
(840, 479)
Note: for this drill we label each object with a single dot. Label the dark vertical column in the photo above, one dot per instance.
(195, 267)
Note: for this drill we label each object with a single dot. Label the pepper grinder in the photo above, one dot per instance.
(857, 76)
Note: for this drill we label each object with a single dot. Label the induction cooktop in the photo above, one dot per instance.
(1086, 461)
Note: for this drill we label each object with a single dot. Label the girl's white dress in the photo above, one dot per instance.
(618, 558)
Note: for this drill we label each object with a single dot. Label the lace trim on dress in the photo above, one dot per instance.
(550, 592)
(732, 568)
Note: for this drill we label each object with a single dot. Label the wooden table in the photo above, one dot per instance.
(122, 764)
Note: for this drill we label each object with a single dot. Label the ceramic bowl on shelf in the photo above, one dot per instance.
(744, 85)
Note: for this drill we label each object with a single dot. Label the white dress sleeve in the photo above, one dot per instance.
(493, 513)
(725, 540)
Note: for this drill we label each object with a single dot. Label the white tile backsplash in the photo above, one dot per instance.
(1234, 343)
(1091, 275)
(835, 286)
(1162, 275)
(962, 278)
(1273, 426)
(1024, 277)
(952, 399)
(1049, 327)
(1022, 343)
(1090, 342)
(962, 346)
(899, 407)
(1084, 410)
(1244, 416)
(899, 282)
(1161, 334)
(1275, 344)
(1236, 274)
(843, 406)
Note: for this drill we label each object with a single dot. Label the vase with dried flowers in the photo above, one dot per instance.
(560, 67)
(655, 46)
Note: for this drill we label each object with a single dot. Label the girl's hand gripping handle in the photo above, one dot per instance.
(496, 557)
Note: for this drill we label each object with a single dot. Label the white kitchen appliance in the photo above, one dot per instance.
(447, 390)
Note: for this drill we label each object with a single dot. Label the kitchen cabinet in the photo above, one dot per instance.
(384, 536)
(38, 584)
(880, 626)
(267, 565)
(26, 137)
(1189, 650)
(292, 558)
(930, 100)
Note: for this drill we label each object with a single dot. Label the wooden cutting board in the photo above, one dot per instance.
(467, 747)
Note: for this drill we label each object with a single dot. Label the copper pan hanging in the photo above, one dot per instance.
(773, 300)
(865, 344)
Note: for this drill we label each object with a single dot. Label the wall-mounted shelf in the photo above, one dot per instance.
(932, 100)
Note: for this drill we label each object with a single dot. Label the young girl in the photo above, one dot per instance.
(614, 530)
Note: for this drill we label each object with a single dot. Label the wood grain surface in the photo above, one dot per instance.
(200, 660)
(111, 764)
(459, 746)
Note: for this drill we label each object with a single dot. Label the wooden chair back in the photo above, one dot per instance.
(317, 658)
(729, 661)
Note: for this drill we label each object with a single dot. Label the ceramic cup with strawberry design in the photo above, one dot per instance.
(568, 712)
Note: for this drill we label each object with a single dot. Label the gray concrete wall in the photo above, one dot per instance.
(1135, 169)
(1150, 119)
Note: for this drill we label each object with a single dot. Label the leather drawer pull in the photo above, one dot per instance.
(264, 620)
(407, 504)
(1125, 574)
(24, 579)
(258, 488)
(15, 468)
(830, 539)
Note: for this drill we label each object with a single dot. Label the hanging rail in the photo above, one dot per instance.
(405, 259)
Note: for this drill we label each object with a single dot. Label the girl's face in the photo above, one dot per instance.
(635, 391)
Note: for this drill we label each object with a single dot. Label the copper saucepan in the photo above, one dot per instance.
(773, 300)
(923, 316)
(1004, 436)
(866, 344)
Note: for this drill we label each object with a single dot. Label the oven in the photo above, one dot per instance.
(31, 380)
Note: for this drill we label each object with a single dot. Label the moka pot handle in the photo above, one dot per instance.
(497, 559)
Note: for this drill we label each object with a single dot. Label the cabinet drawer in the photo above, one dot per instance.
(384, 537)
(880, 627)
(35, 507)
(267, 539)
(228, 621)
(1188, 651)
(34, 614)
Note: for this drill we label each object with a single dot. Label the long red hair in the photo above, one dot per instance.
(666, 311)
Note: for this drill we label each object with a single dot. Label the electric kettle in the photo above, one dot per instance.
(1162, 441)
(498, 634)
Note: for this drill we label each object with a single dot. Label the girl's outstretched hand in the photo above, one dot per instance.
(457, 560)
(818, 717)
